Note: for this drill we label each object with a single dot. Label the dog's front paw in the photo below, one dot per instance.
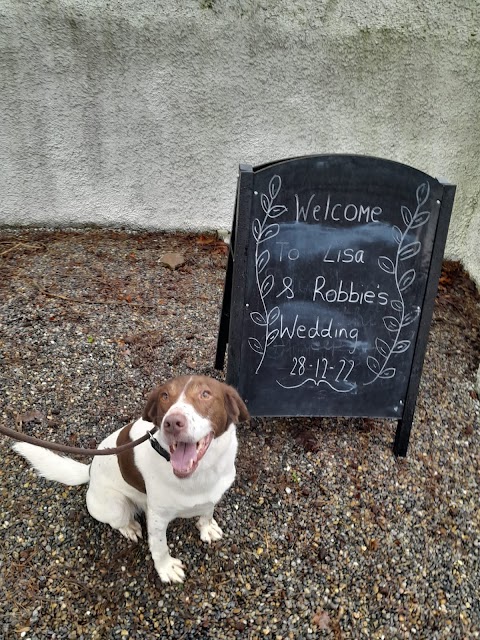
(209, 530)
(132, 531)
(170, 570)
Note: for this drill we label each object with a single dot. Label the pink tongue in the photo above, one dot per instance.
(183, 454)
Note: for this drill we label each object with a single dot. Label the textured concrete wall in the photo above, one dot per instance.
(137, 112)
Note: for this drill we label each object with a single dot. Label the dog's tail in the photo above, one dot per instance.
(52, 466)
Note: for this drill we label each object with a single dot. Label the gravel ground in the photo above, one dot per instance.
(326, 533)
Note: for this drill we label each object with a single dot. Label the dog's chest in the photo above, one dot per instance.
(195, 510)
(193, 495)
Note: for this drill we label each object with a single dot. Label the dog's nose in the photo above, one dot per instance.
(175, 422)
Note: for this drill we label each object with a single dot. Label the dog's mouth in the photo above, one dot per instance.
(185, 456)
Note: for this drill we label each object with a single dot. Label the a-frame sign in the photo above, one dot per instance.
(330, 287)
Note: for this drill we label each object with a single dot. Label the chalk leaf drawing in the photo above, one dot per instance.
(403, 280)
(263, 230)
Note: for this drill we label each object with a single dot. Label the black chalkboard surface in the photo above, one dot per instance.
(330, 287)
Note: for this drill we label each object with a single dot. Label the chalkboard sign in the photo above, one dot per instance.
(330, 287)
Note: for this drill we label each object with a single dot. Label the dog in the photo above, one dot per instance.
(196, 418)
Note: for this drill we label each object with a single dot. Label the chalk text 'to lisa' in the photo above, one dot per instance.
(336, 211)
(285, 252)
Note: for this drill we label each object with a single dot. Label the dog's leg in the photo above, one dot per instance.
(169, 569)
(117, 510)
(208, 527)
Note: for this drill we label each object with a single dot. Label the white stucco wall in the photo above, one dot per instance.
(137, 112)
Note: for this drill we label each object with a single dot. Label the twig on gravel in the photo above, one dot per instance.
(87, 590)
(85, 301)
(20, 244)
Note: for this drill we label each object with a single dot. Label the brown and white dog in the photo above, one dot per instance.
(196, 418)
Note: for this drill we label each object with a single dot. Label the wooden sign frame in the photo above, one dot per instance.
(258, 217)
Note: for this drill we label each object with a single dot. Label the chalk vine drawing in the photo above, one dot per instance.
(403, 280)
(264, 230)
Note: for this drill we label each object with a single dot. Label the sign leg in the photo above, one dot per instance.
(402, 437)
(225, 316)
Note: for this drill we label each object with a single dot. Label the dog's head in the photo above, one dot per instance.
(191, 411)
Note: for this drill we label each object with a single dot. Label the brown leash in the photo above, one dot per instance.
(79, 451)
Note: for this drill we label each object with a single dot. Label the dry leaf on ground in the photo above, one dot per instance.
(322, 620)
(172, 259)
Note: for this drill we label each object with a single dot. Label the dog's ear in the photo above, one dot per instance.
(235, 406)
(153, 411)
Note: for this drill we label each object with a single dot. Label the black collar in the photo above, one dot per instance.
(156, 445)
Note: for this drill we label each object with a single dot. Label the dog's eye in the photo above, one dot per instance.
(164, 395)
(205, 393)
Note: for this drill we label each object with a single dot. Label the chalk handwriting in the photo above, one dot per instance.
(287, 288)
(346, 292)
(336, 211)
(344, 255)
(321, 371)
(284, 252)
(307, 314)
(318, 329)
